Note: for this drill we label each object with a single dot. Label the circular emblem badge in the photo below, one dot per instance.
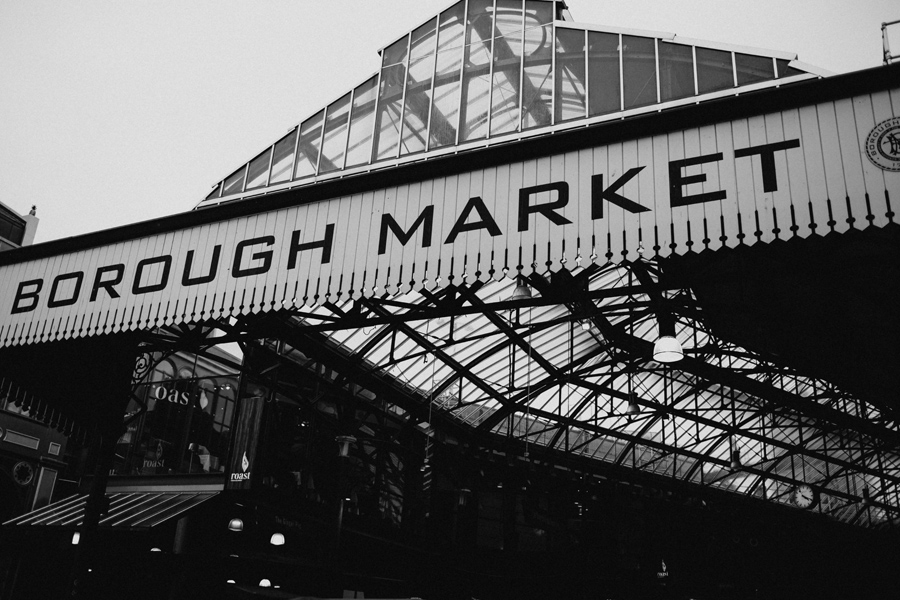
(883, 145)
(23, 473)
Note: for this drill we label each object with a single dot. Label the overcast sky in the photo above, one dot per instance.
(114, 111)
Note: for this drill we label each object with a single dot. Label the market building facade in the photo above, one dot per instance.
(539, 309)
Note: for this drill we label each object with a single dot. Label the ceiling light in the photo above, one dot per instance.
(633, 407)
(76, 537)
(522, 292)
(265, 583)
(667, 348)
(344, 442)
(586, 325)
(736, 460)
(236, 525)
(277, 539)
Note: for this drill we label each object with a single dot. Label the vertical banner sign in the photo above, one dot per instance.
(245, 444)
(827, 168)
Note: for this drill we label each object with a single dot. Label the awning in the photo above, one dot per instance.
(134, 510)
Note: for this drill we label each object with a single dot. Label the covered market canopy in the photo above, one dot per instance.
(501, 222)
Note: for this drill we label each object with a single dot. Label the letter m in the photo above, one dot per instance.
(388, 222)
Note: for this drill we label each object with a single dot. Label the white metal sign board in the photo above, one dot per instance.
(800, 172)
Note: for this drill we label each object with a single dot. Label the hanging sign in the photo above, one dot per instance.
(798, 172)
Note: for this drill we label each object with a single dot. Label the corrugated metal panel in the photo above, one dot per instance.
(780, 175)
(126, 510)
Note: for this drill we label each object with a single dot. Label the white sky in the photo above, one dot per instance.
(115, 112)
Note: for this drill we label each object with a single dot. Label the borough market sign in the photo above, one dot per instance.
(796, 172)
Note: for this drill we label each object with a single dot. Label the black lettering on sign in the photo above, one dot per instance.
(424, 220)
(138, 287)
(27, 295)
(53, 301)
(187, 280)
(548, 209)
(598, 194)
(325, 244)
(677, 181)
(107, 284)
(487, 220)
(265, 258)
(766, 154)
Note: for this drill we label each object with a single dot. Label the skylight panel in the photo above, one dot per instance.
(491, 69)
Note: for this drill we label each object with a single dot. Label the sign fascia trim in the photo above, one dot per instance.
(792, 173)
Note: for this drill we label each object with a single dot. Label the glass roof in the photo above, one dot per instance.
(577, 376)
(563, 372)
(486, 71)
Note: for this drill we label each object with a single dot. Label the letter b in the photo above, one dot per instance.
(30, 295)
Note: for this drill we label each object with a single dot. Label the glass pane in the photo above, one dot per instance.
(334, 140)
(389, 106)
(259, 169)
(507, 67)
(418, 89)
(224, 407)
(179, 432)
(362, 118)
(390, 101)
(234, 183)
(164, 371)
(216, 192)
(308, 146)
(476, 70)
(676, 71)
(445, 108)
(785, 70)
(604, 94)
(751, 69)
(395, 53)
(713, 70)
(537, 85)
(12, 232)
(284, 153)
(571, 102)
(638, 70)
(422, 42)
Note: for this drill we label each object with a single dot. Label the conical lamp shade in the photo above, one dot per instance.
(522, 292)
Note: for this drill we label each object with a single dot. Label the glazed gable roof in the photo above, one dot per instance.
(485, 72)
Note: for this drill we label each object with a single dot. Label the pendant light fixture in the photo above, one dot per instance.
(344, 442)
(236, 524)
(736, 464)
(522, 292)
(633, 407)
(667, 348)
